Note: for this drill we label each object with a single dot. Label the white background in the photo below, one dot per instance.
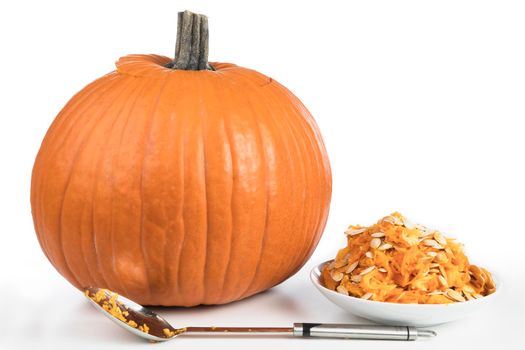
(421, 105)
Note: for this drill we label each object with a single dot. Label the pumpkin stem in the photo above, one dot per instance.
(191, 48)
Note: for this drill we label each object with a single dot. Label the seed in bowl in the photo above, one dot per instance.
(401, 262)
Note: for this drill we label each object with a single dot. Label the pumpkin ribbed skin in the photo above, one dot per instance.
(177, 187)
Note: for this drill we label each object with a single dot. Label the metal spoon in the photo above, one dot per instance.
(133, 317)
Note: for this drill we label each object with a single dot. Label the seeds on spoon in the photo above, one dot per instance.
(168, 333)
(108, 300)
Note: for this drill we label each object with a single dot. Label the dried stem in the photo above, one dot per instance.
(191, 48)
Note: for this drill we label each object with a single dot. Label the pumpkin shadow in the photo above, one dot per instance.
(273, 302)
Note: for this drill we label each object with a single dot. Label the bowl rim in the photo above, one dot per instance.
(315, 275)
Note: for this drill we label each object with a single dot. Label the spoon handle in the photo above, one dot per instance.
(258, 331)
(239, 330)
(353, 331)
(326, 330)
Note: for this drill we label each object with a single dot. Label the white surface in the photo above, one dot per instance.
(422, 111)
(417, 315)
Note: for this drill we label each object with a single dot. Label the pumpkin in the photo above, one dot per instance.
(181, 182)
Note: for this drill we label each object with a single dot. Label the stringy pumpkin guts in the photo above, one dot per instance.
(401, 262)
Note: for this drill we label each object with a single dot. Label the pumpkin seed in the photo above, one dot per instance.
(433, 244)
(369, 255)
(441, 257)
(443, 271)
(443, 281)
(342, 290)
(468, 296)
(408, 224)
(337, 276)
(354, 231)
(385, 246)
(468, 289)
(393, 220)
(452, 294)
(366, 296)
(367, 270)
(356, 278)
(352, 267)
(375, 243)
(340, 263)
(436, 292)
(440, 239)
(378, 234)
(490, 285)
(410, 239)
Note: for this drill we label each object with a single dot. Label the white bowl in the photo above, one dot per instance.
(420, 315)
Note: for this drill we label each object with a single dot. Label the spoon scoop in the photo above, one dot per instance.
(131, 316)
(147, 324)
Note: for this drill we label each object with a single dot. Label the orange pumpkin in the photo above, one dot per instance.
(181, 183)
